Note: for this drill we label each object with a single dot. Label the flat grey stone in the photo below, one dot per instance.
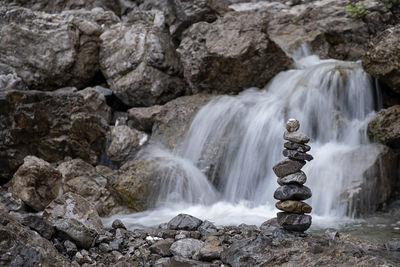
(287, 167)
(297, 177)
(296, 137)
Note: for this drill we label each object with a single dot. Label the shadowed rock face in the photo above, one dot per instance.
(382, 59)
(385, 127)
(230, 54)
(47, 51)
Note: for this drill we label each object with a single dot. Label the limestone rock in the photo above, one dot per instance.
(292, 192)
(184, 222)
(294, 222)
(293, 206)
(54, 124)
(293, 154)
(186, 247)
(75, 217)
(36, 182)
(143, 118)
(385, 127)
(382, 59)
(125, 143)
(287, 167)
(296, 137)
(139, 61)
(46, 51)
(295, 146)
(231, 54)
(297, 177)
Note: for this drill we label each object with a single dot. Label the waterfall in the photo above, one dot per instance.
(225, 161)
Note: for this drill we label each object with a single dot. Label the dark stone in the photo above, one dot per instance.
(294, 222)
(43, 227)
(293, 154)
(184, 222)
(295, 146)
(162, 248)
(70, 248)
(287, 167)
(292, 192)
(297, 177)
(118, 224)
(207, 228)
(116, 244)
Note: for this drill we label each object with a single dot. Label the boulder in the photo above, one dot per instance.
(385, 127)
(292, 192)
(173, 121)
(211, 249)
(125, 143)
(297, 177)
(96, 101)
(21, 246)
(94, 184)
(139, 61)
(138, 184)
(186, 247)
(293, 206)
(74, 218)
(49, 125)
(287, 167)
(36, 183)
(207, 228)
(382, 59)
(47, 51)
(184, 222)
(294, 222)
(143, 118)
(57, 6)
(231, 54)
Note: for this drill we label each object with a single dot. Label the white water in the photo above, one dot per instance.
(222, 170)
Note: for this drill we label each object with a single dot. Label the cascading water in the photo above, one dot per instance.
(222, 170)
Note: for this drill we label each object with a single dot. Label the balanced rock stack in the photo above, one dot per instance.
(291, 180)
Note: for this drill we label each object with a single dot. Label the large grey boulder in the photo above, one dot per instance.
(139, 61)
(47, 51)
(186, 247)
(385, 127)
(49, 125)
(184, 222)
(382, 59)
(231, 54)
(56, 6)
(36, 183)
(75, 218)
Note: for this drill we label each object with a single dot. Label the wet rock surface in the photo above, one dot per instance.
(292, 191)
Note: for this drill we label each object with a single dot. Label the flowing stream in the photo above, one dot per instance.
(222, 170)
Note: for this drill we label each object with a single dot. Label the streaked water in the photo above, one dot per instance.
(222, 170)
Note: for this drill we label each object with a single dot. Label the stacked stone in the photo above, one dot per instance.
(291, 179)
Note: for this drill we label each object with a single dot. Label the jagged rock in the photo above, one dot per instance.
(21, 246)
(293, 154)
(139, 61)
(75, 218)
(324, 26)
(173, 121)
(287, 167)
(94, 184)
(207, 228)
(103, 18)
(385, 127)
(297, 177)
(46, 51)
(39, 225)
(211, 249)
(292, 125)
(295, 146)
(56, 6)
(143, 118)
(292, 192)
(125, 143)
(70, 248)
(36, 182)
(294, 222)
(382, 59)
(184, 222)
(96, 101)
(293, 206)
(138, 184)
(231, 54)
(162, 247)
(186, 247)
(54, 124)
(296, 137)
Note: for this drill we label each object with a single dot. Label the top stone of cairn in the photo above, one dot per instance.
(292, 125)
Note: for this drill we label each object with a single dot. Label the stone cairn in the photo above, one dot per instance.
(291, 180)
